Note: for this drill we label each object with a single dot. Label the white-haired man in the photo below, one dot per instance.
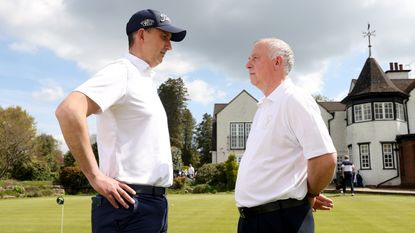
(289, 150)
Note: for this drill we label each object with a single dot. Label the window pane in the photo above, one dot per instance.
(400, 112)
(349, 115)
(387, 155)
(378, 111)
(358, 113)
(388, 110)
(367, 112)
(364, 155)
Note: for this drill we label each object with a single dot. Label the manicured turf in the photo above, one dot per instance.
(216, 213)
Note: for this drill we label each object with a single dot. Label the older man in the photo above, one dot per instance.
(290, 157)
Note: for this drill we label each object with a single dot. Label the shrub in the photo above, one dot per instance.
(212, 174)
(231, 170)
(19, 189)
(73, 180)
(203, 188)
(178, 182)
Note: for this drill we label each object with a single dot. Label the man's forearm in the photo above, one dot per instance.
(320, 172)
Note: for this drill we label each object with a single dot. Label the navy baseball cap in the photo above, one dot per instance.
(154, 19)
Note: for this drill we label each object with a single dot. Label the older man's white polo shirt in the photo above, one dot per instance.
(287, 131)
(132, 133)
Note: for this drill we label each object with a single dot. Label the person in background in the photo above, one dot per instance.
(289, 150)
(132, 134)
(191, 171)
(347, 173)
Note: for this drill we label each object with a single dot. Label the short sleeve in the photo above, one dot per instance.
(108, 86)
(308, 126)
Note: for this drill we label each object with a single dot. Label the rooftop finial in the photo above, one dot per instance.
(368, 34)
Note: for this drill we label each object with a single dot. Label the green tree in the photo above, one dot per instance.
(321, 98)
(204, 139)
(17, 134)
(189, 124)
(176, 154)
(231, 169)
(173, 95)
(47, 150)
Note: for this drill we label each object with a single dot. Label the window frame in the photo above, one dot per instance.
(361, 156)
(238, 141)
(392, 155)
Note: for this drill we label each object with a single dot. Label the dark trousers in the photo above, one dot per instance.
(147, 215)
(348, 181)
(290, 220)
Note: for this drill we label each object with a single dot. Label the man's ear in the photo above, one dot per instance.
(139, 35)
(278, 62)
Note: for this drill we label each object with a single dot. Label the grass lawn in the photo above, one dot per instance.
(205, 213)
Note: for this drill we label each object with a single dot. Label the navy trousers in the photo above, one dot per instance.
(348, 181)
(147, 215)
(290, 220)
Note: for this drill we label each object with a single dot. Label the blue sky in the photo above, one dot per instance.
(49, 47)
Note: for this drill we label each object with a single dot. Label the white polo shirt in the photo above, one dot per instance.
(287, 130)
(132, 133)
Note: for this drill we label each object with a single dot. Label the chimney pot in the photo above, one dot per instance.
(400, 67)
(396, 66)
(390, 66)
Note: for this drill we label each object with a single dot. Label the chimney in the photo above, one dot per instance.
(397, 71)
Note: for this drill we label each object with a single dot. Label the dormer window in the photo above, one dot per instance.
(383, 111)
(362, 112)
(400, 114)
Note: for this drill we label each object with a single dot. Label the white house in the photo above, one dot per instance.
(374, 124)
(231, 125)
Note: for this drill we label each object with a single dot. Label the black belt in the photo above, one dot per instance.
(246, 212)
(148, 189)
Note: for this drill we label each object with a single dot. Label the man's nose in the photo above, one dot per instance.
(168, 45)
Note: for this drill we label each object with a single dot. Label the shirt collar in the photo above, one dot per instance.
(276, 93)
(141, 65)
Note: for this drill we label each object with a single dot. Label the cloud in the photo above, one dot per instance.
(201, 92)
(219, 33)
(23, 47)
(51, 93)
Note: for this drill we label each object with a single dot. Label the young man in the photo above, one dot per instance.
(132, 133)
(289, 150)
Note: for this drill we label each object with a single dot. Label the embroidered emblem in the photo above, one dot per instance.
(147, 22)
(164, 18)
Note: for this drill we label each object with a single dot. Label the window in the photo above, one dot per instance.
(383, 111)
(364, 155)
(239, 134)
(349, 116)
(339, 163)
(362, 112)
(388, 158)
(400, 114)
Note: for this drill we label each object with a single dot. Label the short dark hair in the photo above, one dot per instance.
(131, 39)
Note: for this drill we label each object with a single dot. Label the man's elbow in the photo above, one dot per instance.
(61, 112)
(332, 161)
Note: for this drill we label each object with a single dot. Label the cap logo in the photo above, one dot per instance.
(147, 22)
(164, 18)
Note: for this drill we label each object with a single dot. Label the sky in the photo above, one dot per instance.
(49, 47)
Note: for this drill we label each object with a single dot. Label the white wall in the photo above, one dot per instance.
(374, 133)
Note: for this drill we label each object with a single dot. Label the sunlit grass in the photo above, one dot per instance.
(216, 213)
